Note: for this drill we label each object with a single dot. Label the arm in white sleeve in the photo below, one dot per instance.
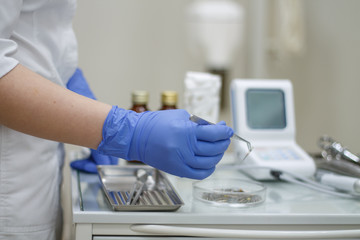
(32, 104)
(9, 15)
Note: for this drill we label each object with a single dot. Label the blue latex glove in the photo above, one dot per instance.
(95, 158)
(77, 83)
(166, 140)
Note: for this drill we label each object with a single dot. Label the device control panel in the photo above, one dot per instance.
(263, 113)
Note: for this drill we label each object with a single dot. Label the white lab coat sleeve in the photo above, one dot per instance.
(9, 15)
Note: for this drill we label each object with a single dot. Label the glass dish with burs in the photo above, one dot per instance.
(230, 192)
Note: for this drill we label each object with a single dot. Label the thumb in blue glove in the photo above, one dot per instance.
(166, 140)
(77, 83)
(89, 164)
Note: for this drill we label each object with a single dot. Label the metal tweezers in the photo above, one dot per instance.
(141, 177)
(202, 121)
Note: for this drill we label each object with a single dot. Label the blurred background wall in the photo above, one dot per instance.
(127, 45)
(137, 44)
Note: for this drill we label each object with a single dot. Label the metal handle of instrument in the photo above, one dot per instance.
(333, 150)
(141, 176)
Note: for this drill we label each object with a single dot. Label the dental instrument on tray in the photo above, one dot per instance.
(202, 121)
(141, 177)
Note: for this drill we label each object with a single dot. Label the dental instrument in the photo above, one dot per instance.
(202, 121)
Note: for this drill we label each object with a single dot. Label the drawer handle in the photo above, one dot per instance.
(235, 233)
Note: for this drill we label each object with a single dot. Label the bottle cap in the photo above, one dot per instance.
(169, 97)
(140, 97)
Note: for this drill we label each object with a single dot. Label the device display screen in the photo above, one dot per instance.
(265, 109)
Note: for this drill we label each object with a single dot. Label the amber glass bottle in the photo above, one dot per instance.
(169, 100)
(139, 101)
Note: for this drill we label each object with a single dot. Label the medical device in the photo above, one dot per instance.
(263, 113)
(340, 182)
(333, 150)
(336, 158)
(340, 190)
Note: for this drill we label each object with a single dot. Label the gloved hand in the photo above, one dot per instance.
(95, 158)
(77, 83)
(166, 140)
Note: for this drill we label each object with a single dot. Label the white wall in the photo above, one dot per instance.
(327, 77)
(127, 45)
(140, 44)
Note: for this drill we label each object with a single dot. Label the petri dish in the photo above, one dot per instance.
(230, 192)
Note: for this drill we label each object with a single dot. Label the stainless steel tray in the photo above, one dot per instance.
(158, 195)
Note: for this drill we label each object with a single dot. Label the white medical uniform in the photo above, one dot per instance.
(37, 34)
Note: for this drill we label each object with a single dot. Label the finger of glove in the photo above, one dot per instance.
(101, 159)
(114, 161)
(194, 173)
(77, 83)
(204, 148)
(213, 133)
(205, 162)
(222, 123)
(85, 165)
